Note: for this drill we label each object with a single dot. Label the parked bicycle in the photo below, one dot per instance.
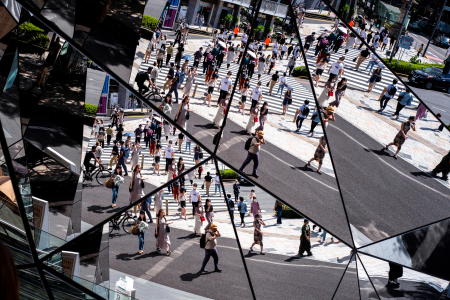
(100, 173)
(125, 220)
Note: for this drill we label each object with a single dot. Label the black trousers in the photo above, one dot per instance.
(208, 254)
(168, 163)
(194, 206)
(399, 108)
(383, 102)
(313, 125)
(299, 122)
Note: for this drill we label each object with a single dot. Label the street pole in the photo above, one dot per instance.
(435, 28)
(401, 30)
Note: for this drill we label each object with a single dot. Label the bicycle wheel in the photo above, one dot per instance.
(102, 176)
(127, 224)
(154, 97)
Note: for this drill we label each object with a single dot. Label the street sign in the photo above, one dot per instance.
(406, 41)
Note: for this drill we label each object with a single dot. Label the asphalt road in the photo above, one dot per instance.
(383, 196)
(434, 50)
(273, 276)
(438, 101)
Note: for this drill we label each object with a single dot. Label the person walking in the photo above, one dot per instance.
(282, 84)
(442, 167)
(305, 239)
(363, 55)
(217, 185)
(199, 218)
(254, 207)
(236, 188)
(194, 198)
(301, 114)
(279, 211)
(169, 154)
(287, 100)
(117, 181)
(340, 92)
(387, 94)
(145, 207)
(109, 133)
(315, 120)
(162, 231)
(320, 67)
(190, 81)
(135, 154)
(402, 135)
(253, 119)
(114, 155)
(142, 226)
(231, 205)
(183, 114)
(253, 152)
(273, 81)
(207, 180)
(376, 77)
(136, 187)
(209, 211)
(242, 208)
(211, 236)
(404, 99)
(263, 113)
(257, 233)
(319, 154)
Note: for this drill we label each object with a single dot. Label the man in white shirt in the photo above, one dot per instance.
(256, 95)
(282, 84)
(363, 35)
(169, 154)
(194, 197)
(336, 69)
(225, 86)
(217, 184)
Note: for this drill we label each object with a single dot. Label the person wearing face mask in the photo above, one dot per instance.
(194, 198)
(225, 86)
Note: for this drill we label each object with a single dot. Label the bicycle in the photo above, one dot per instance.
(125, 220)
(100, 173)
(154, 95)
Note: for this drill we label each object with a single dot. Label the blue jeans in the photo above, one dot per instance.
(187, 146)
(323, 235)
(141, 240)
(370, 65)
(115, 192)
(208, 254)
(250, 157)
(216, 187)
(281, 87)
(174, 89)
(279, 212)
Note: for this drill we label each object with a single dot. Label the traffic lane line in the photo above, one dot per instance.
(389, 165)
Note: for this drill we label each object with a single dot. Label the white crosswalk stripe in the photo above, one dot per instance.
(216, 199)
(299, 95)
(355, 79)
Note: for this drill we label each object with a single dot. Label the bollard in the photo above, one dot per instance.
(195, 90)
(142, 162)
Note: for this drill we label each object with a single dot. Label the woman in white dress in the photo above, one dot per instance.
(162, 233)
(135, 154)
(221, 109)
(230, 56)
(199, 218)
(190, 80)
(254, 112)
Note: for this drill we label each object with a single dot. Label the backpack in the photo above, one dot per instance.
(305, 111)
(392, 90)
(141, 77)
(248, 143)
(203, 240)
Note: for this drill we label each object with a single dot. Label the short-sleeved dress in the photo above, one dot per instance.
(399, 138)
(319, 154)
(257, 235)
(163, 240)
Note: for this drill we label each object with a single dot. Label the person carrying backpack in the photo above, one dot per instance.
(404, 99)
(387, 94)
(141, 78)
(252, 145)
(301, 114)
(209, 243)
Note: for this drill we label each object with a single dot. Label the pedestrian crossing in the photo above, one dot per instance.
(299, 94)
(148, 170)
(358, 80)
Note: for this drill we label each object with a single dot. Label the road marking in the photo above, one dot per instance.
(237, 139)
(163, 263)
(297, 265)
(392, 167)
(307, 175)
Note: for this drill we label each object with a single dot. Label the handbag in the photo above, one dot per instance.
(135, 229)
(142, 183)
(330, 93)
(203, 186)
(130, 188)
(110, 182)
(202, 218)
(188, 116)
(255, 119)
(355, 59)
(167, 228)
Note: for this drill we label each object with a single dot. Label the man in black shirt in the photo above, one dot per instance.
(140, 80)
(89, 167)
(273, 82)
